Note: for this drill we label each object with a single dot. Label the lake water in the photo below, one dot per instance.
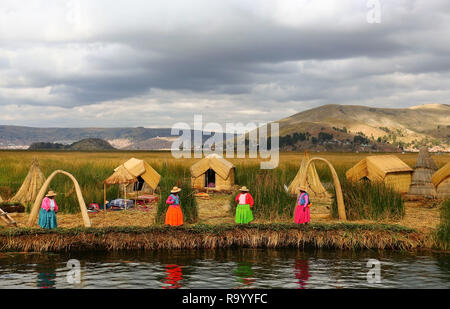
(226, 268)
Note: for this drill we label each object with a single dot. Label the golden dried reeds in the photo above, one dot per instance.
(441, 179)
(341, 236)
(314, 186)
(31, 185)
(383, 168)
(421, 185)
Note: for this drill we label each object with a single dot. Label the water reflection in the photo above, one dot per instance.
(227, 268)
(174, 274)
(301, 271)
(46, 277)
(244, 274)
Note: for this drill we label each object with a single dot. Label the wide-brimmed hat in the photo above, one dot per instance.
(302, 188)
(51, 193)
(243, 189)
(175, 190)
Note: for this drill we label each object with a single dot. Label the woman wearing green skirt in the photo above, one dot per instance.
(244, 213)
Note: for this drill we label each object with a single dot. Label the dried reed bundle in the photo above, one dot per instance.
(313, 184)
(31, 185)
(421, 185)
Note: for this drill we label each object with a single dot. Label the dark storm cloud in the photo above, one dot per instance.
(242, 61)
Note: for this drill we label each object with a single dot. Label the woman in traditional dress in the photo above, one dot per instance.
(174, 215)
(244, 213)
(47, 214)
(302, 213)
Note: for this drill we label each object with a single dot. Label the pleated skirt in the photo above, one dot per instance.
(302, 215)
(244, 214)
(174, 216)
(47, 219)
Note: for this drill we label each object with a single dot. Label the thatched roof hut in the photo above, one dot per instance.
(314, 186)
(137, 175)
(441, 180)
(421, 185)
(141, 169)
(213, 172)
(384, 168)
(31, 185)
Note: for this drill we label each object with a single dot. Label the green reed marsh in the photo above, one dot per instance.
(369, 200)
(443, 231)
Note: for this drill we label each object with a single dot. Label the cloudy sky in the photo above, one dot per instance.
(154, 63)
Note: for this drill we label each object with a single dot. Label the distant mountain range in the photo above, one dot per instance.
(18, 137)
(22, 137)
(328, 127)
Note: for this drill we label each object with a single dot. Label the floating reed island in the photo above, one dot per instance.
(377, 198)
(334, 236)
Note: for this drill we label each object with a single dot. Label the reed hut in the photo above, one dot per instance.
(134, 177)
(313, 184)
(147, 179)
(385, 168)
(441, 180)
(121, 176)
(421, 184)
(213, 172)
(32, 184)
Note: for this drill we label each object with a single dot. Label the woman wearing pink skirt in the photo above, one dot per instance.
(302, 213)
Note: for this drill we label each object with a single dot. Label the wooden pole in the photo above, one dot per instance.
(135, 201)
(125, 196)
(104, 196)
(5, 217)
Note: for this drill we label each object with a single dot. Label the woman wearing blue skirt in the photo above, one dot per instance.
(47, 215)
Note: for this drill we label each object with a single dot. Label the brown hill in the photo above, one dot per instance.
(387, 128)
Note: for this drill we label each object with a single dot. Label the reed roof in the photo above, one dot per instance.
(218, 164)
(140, 168)
(442, 174)
(376, 168)
(120, 176)
(358, 171)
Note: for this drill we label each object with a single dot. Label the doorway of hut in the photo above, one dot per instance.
(139, 184)
(210, 179)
